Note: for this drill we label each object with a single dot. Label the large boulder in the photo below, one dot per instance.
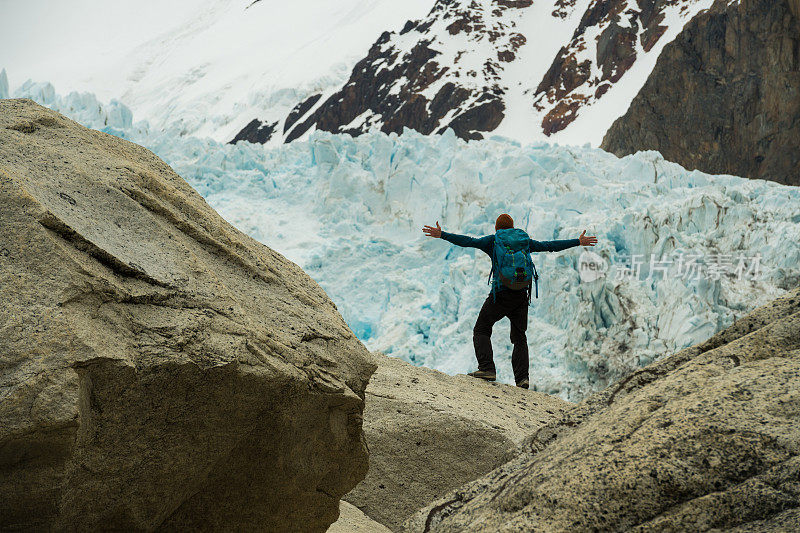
(706, 439)
(429, 433)
(724, 96)
(158, 368)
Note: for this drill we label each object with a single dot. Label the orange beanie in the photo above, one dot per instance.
(504, 221)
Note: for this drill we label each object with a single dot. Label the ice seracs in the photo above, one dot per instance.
(687, 252)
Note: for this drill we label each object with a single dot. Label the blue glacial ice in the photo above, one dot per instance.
(3, 84)
(350, 212)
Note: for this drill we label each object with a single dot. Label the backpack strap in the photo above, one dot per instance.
(534, 284)
(494, 261)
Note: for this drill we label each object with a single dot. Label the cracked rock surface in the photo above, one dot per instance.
(707, 439)
(158, 368)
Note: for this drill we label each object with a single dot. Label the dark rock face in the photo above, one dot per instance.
(299, 110)
(724, 97)
(706, 439)
(256, 131)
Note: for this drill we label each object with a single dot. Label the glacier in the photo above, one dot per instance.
(350, 210)
(3, 84)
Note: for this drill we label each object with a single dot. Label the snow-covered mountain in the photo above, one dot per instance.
(527, 70)
(199, 67)
(271, 71)
(686, 252)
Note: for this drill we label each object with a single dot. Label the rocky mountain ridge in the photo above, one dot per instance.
(513, 67)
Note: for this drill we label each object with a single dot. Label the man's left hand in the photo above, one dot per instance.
(587, 241)
(430, 231)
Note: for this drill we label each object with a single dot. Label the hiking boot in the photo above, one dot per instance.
(483, 374)
(524, 384)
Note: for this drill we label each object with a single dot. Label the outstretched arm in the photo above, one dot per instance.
(482, 243)
(557, 246)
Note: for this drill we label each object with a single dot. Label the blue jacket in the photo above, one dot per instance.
(486, 244)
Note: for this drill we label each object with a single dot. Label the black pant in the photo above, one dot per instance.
(511, 304)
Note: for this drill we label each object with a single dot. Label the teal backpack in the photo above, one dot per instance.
(512, 258)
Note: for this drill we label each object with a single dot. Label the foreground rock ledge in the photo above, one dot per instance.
(158, 368)
(705, 439)
(429, 433)
(352, 520)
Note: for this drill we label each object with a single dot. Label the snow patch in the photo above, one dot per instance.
(197, 67)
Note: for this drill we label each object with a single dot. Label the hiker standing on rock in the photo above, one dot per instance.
(512, 276)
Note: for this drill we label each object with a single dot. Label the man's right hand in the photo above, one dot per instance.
(430, 231)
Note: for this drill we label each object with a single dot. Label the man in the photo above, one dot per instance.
(504, 301)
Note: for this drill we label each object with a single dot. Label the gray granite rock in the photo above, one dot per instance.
(429, 433)
(707, 439)
(352, 520)
(158, 368)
